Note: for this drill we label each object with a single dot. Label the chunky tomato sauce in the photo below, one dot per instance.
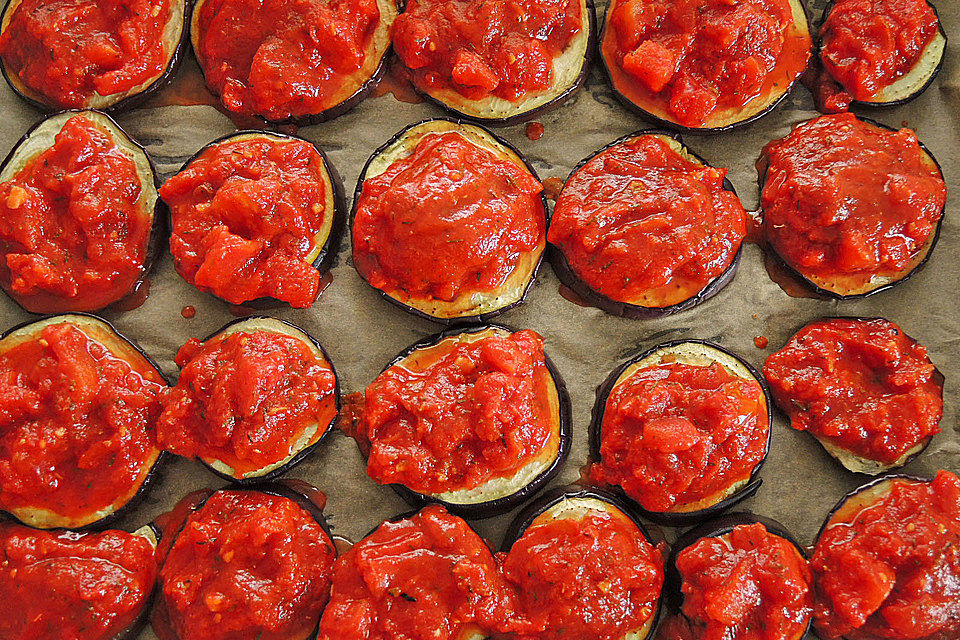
(595, 577)
(891, 568)
(76, 424)
(68, 586)
(72, 51)
(245, 399)
(468, 413)
(247, 566)
(697, 59)
(74, 231)
(677, 435)
(863, 385)
(285, 58)
(483, 48)
(448, 220)
(249, 218)
(641, 223)
(846, 199)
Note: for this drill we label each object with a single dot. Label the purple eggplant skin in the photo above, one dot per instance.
(466, 320)
(158, 227)
(566, 274)
(328, 253)
(690, 517)
(763, 165)
(555, 103)
(156, 471)
(299, 457)
(498, 506)
(125, 104)
(875, 482)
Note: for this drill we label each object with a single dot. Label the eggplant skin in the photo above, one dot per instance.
(568, 276)
(182, 10)
(678, 519)
(865, 492)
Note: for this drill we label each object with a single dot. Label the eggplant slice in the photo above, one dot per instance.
(718, 121)
(121, 347)
(468, 307)
(174, 40)
(699, 353)
(41, 137)
(636, 309)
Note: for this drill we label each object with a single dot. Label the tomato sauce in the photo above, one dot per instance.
(76, 423)
(845, 199)
(593, 578)
(863, 385)
(68, 586)
(891, 568)
(676, 435)
(483, 48)
(246, 398)
(471, 412)
(249, 218)
(247, 566)
(74, 231)
(286, 58)
(696, 59)
(641, 223)
(450, 219)
(73, 51)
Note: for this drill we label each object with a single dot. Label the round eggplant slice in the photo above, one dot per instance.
(654, 107)
(173, 40)
(698, 353)
(569, 72)
(465, 306)
(854, 286)
(910, 84)
(351, 90)
(307, 437)
(649, 303)
(75, 508)
(496, 495)
(92, 286)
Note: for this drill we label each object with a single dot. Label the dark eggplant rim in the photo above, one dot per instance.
(938, 377)
(158, 223)
(364, 91)
(687, 517)
(864, 487)
(331, 247)
(497, 506)
(465, 320)
(551, 105)
(128, 103)
(637, 110)
(156, 470)
(569, 277)
(715, 528)
(764, 163)
(306, 451)
(818, 47)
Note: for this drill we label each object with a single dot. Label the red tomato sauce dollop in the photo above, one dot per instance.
(641, 223)
(245, 399)
(482, 48)
(76, 423)
(864, 385)
(283, 58)
(249, 218)
(73, 229)
(247, 566)
(891, 569)
(450, 218)
(675, 435)
(70, 51)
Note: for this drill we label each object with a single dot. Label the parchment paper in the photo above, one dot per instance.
(362, 332)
